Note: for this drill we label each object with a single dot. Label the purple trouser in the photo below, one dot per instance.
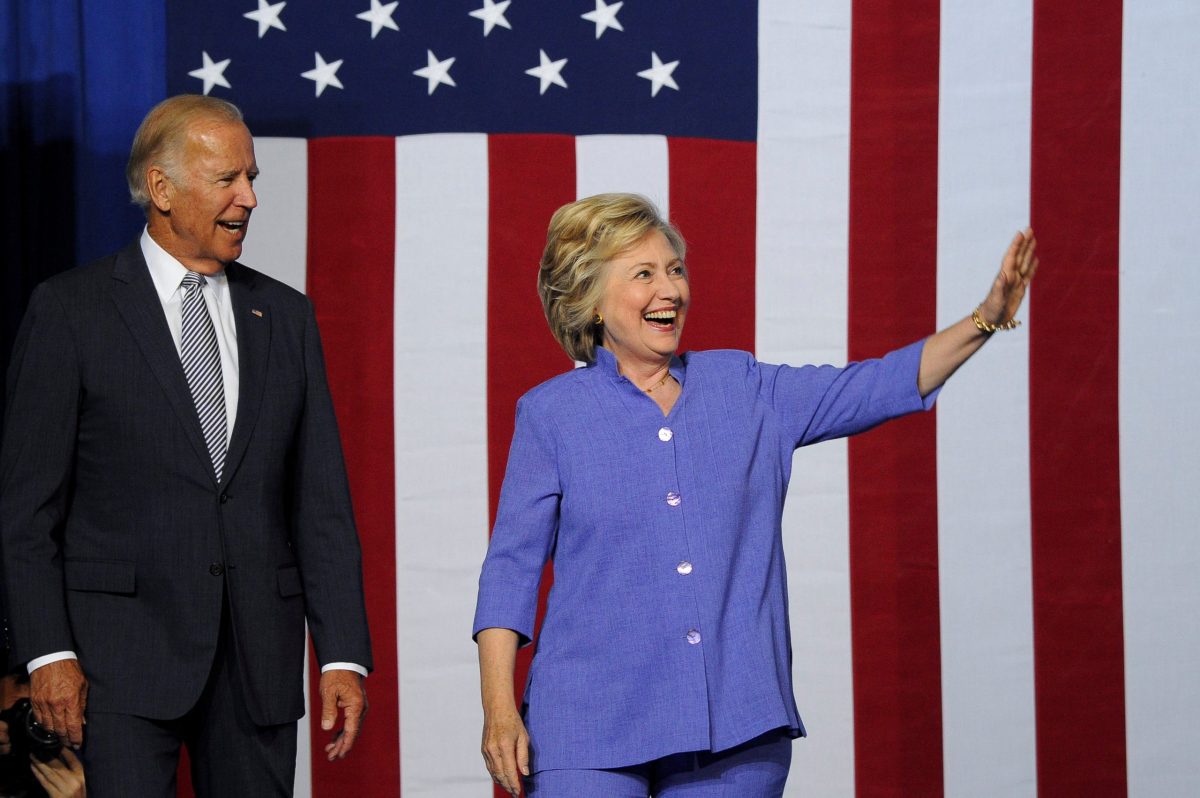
(755, 769)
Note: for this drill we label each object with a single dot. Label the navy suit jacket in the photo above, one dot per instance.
(119, 543)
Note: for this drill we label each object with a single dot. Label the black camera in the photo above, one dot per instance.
(27, 735)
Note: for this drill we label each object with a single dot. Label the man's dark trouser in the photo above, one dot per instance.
(126, 755)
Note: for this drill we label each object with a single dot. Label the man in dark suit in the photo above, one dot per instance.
(173, 500)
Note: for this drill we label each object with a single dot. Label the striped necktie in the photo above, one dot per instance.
(202, 368)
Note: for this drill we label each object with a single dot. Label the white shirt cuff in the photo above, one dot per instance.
(344, 666)
(57, 656)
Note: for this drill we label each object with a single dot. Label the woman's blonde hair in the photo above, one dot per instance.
(585, 235)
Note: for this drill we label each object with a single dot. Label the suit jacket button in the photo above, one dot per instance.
(216, 569)
(224, 498)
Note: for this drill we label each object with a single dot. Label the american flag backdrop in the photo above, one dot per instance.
(998, 598)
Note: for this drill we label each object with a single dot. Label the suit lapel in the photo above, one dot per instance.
(137, 302)
(253, 320)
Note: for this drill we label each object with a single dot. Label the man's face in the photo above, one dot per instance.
(210, 196)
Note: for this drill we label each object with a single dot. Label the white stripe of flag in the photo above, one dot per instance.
(1158, 370)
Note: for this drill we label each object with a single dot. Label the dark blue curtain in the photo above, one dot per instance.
(77, 76)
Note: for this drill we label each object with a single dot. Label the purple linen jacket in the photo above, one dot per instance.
(667, 625)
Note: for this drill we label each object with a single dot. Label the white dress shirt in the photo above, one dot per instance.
(167, 273)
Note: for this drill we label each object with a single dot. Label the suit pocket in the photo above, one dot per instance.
(289, 581)
(100, 576)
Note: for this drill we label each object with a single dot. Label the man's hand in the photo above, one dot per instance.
(342, 690)
(58, 692)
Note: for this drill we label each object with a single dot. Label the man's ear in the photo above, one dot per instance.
(160, 188)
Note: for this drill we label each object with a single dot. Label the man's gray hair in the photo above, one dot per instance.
(161, 135)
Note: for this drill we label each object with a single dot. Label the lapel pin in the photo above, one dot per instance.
(256, 312)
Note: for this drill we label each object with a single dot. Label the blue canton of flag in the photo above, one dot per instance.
(517, 66)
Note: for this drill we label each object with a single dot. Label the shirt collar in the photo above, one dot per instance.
(165, 270)
(606, 363)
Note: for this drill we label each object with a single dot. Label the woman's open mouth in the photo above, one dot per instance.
(661, 319)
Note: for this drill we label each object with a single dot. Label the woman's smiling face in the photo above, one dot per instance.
(645, 301)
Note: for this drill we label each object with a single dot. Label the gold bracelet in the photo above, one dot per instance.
(985, 327)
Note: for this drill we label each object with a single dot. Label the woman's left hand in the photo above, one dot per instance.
(945, 351)
(1008, 289)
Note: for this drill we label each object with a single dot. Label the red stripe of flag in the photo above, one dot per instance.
(529, 177)
(351, 257)
(183, 775)
(893, 470)
(1074, 468)
(713, 187)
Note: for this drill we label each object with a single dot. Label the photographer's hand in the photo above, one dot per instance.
(61, 777)
(342, 689)
(5, 743)
(58, 692)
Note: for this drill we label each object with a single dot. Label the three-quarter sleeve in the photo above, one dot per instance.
(817, 403)
(526, 525)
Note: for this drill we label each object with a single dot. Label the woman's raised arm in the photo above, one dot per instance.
(945, 351)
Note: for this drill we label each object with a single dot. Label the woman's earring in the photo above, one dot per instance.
(598, 320)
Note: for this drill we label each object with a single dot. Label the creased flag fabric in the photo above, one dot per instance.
(994, 599)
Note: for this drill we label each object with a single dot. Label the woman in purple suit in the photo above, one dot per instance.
(655, 482)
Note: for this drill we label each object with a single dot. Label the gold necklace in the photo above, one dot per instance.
(658, 384)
